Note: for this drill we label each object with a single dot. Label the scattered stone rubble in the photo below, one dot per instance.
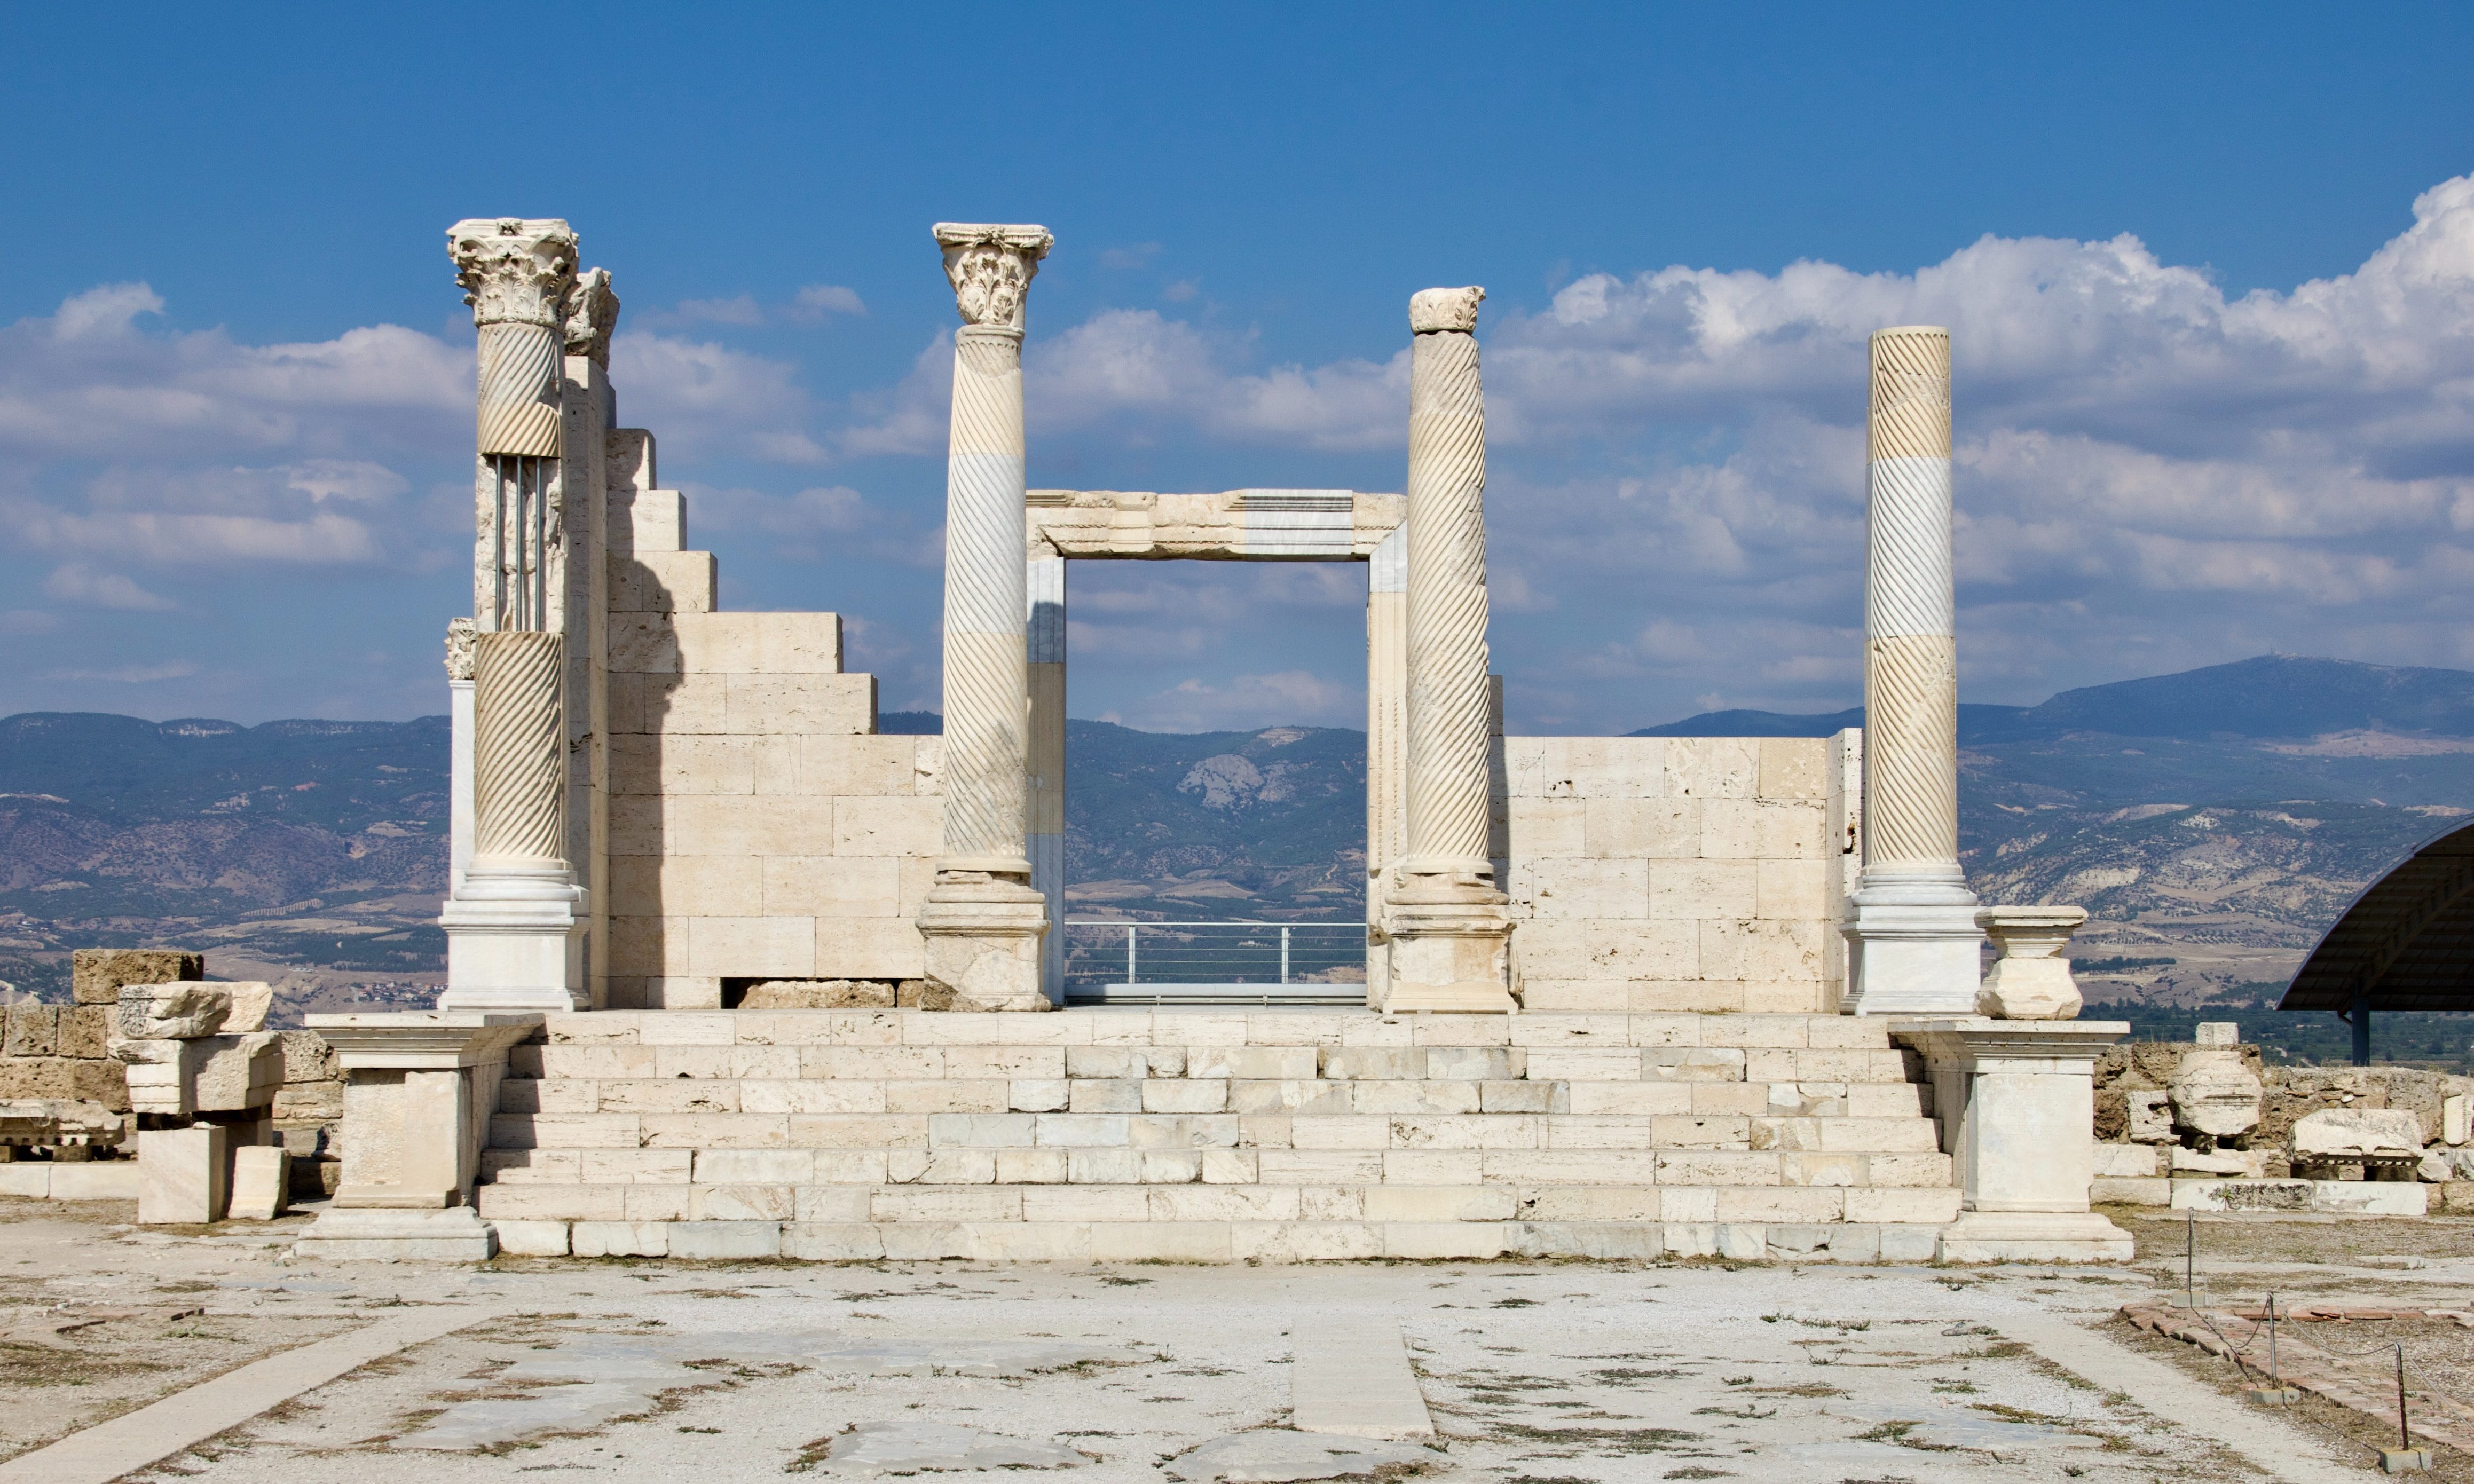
(2203, 1124)
(149, 1046)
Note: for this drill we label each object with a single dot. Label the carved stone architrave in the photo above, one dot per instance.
(461, 633)
(591, 316)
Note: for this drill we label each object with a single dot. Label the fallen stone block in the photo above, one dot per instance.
(2343, 1134)
(59, 1123)
(97, 975)
(213, 1074)
(186, 1010)
(260, 1183)
(95, 1179)
(818, 994)
(63, 1077)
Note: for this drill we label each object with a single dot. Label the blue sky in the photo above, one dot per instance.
(2214, 372)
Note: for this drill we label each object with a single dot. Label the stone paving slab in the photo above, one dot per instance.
(1602, 1372)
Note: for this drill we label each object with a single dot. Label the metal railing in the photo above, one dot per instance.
(1113, 961)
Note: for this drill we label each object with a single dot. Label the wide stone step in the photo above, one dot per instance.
(612, 1167)
(1271, 1065)
(1129, 1029)
(544, 1201)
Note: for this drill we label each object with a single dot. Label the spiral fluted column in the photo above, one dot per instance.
(984, 920)
(1447, 926)
(1911, 929)
(513, 926)
(519, 763)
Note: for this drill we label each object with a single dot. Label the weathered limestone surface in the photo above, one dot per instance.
(759, 828)
(1277, 1135)
(1652, 873)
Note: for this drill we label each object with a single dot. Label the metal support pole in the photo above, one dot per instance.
(2361, 1019)
(1284, 956)
(1129, 953)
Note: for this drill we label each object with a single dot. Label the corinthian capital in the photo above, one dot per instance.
(991, 268)
(512, 270)
(1431, 310)
(592, 314)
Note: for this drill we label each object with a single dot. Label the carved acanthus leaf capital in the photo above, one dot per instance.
(460, 635)
(592, 315)
(1432, 309)
(991, 268)
(514, 269)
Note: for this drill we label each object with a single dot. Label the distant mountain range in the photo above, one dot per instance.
(2213, 822)
(2270, 696)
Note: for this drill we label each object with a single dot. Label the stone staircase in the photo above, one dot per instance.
(1215, 1136)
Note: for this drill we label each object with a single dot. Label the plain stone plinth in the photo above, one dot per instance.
(1911, 950)
(419, 1090)
(455, 1234)
(2016, 1108)
(1355, 1381)
(181, 1176)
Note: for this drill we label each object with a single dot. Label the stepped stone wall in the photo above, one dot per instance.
(1198, 1135)
(758, 828)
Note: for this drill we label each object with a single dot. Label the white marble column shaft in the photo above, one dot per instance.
(1911, 933)
(1446, 614)
(1910, 651)
(1448, 930)
(983, 920)
(515, 929)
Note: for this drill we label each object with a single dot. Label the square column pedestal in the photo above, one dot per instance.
(982, 937)
(2017, 1105)
(1450, 949)
(419, 1090)
(1912, 949)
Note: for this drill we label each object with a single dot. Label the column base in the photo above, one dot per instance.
(1450, 949)
(515, 940)
(2032, 1236)
(366, 1234)
(983, 937)
(1913, 948)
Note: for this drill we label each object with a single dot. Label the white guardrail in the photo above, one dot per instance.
(1112, 962)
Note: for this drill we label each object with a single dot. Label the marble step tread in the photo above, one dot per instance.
(648, 1171)
(1201, 1028)
(1180, 1096)
(1242, 1063)
(1225, 1241)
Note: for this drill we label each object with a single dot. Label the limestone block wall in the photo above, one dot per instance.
(1652, 874)
(759, 827)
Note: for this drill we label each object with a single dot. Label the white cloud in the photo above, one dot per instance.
(1293, 697)
(76, 583)
(129, 674)
(703, 398)
(814, 301)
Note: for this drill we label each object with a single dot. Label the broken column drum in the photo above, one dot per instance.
(1912, 935)
(1448, 926)
(984, 920)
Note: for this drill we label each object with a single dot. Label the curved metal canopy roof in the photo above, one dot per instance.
(2407, 942)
